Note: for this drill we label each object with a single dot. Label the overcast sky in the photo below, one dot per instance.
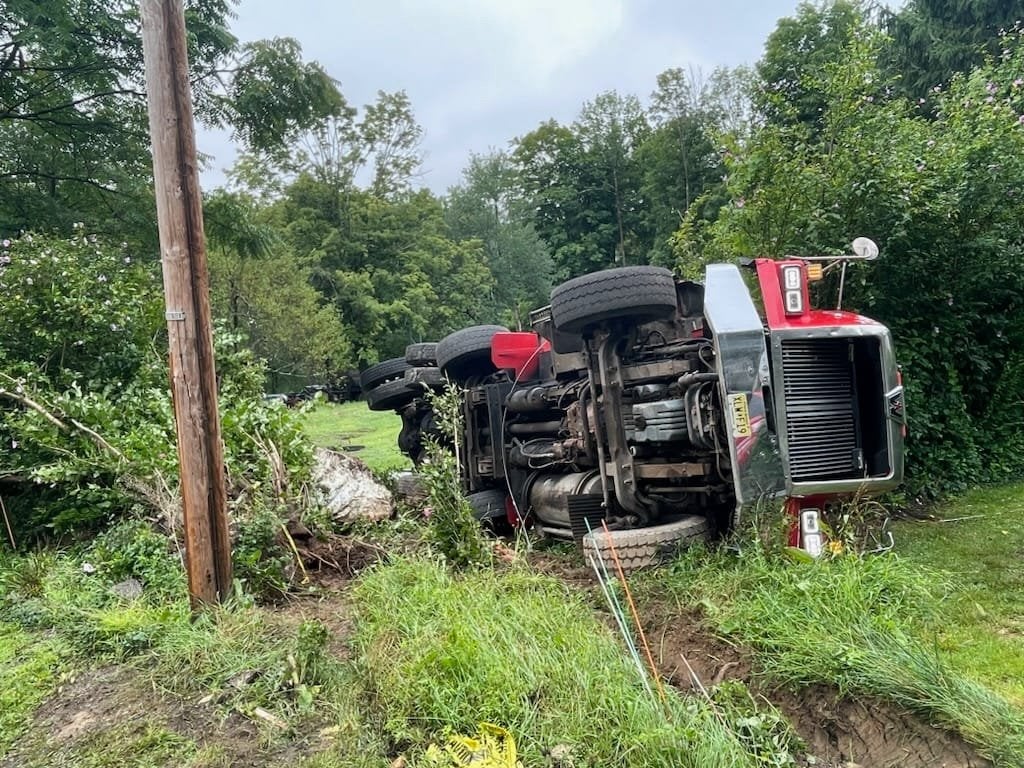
(481, 72)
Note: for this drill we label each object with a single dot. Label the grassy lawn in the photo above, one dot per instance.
(980, 545)
(443, 652)
(30, 669)
(354, 428)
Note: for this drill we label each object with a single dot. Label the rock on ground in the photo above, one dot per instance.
(348, 489)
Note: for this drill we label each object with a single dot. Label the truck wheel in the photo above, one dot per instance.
(467, 352)
(381, 372)
(423, 379)
(643, 293)
(422, 354)
(391, 395)
(488, 505)
(410, 486)
(640, 547)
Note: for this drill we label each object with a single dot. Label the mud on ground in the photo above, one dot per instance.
(838, 731)
(85, 713)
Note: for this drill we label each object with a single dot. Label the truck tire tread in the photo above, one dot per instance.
(643, 293)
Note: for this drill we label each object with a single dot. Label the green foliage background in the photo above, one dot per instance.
(87, 425)
(943, 197)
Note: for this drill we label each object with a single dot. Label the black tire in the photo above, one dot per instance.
(381, 372)
(423, 379)
(641, 547)
(391, 395)
(467, 352)
(488, 505)
(410, 486)
(422, 354)
(643, 293)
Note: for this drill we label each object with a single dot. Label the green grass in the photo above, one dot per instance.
(354, 428)
(442, 653)
(30, 669)
(982, 627)
(55, 616)
(864, 625)
(128, 745)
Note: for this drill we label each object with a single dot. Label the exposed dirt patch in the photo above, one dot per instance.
(116, 697)
(569, 569)
(837, 731)
(686, 652)
(871, 732)
(330, 561)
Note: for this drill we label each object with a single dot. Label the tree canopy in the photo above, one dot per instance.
(74, 140)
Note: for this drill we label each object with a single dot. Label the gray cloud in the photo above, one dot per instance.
(480, 72)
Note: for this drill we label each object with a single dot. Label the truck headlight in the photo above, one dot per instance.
(793, 288)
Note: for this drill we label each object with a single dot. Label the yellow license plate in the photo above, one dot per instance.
(740, 415)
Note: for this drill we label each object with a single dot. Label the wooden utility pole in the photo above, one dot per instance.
(186, 289)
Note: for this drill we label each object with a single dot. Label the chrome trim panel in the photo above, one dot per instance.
(742, 360)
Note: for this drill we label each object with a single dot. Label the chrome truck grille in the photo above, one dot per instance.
(821, 424)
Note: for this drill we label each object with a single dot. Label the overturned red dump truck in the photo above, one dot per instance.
(665, 408)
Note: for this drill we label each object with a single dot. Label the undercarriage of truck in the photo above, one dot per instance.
(662, 409)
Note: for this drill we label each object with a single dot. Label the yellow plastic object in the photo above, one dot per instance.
(814, 272)
(492, 747)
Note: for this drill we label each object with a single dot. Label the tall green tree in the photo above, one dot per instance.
(797, 55)
(944, 198)
(381, 147)
(485, 207)
(611, 128)
(388, 266)
(74, 142)
(932, 40)
(583, 184)
(680, 159)
(265, 296)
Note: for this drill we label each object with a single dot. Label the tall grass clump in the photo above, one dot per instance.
(861, 624)
(442, 652)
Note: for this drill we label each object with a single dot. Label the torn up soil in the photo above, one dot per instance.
(115, 700)
(837, 731)
(328, 562)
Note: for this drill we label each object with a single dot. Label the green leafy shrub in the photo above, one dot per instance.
(259, 555)
(456, 531)
(944, 198)
(134, 549)
(87, 413)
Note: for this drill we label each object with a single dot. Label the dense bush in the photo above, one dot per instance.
(87, 423)
(944, 197)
